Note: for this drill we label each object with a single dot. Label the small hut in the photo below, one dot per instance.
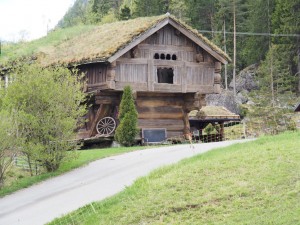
(169, 65)
(214, 116)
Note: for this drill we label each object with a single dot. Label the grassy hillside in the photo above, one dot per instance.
(12, 51)
(251, 183)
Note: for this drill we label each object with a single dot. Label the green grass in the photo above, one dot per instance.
(251, 183)
(18, 179)
(12, 51)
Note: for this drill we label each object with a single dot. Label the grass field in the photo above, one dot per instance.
(17, 179)
(251, 183)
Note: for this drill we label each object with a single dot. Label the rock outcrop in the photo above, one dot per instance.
(245, 83)
(225, 99)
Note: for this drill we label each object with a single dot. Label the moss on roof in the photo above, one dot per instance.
(208, 112)
(98, 43)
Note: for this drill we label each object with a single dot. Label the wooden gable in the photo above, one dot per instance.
(165, 25)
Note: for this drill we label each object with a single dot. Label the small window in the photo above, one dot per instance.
(168, 57)
(165, 75)
(174, 57)
(156, 56)
(162, 56)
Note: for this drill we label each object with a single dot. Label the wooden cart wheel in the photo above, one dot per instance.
(106, 126)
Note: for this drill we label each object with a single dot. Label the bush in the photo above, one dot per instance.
(128, 116)
(46, 104)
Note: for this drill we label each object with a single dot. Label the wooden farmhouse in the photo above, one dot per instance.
(169, 66)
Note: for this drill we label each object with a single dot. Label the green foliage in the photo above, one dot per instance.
(76, 15)
(209, 129)
(259, 21)
(128, 116)
(125, 13)
(150, 7)
(46, 104)
(14, 51)
(8, 143)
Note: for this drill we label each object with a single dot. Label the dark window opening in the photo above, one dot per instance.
(168, 57)
(165, 75)
(162, 56)
(156, 56)
(174, 57)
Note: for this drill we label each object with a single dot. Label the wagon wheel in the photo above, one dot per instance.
(106, 126)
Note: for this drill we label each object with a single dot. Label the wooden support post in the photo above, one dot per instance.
(111, 78)
(222, 134)
(150, 75)
(184, 79)
(186, 122)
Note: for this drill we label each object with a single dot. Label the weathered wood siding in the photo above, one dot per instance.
(95, 75)
(193, 68)
(161, 111)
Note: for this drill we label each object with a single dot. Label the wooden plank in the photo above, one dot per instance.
(132, 61)
(169, 48)
(169, 124)
(159, 102)
(112, 100)
(200, 64)
(167, 87)
(171, 63)
(203, 89)
(100, 85)
(135, 86)
(184, 79)
(160, 116)
(175, 134)
(150, 82)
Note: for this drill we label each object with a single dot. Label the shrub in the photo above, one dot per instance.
(128, 116)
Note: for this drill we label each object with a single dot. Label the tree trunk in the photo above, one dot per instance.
(298, 71)
(234, 48)
(225, 49)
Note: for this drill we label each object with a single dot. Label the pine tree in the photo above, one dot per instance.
(150, 7)
(259, 21)
(125, 13)
(128, 116)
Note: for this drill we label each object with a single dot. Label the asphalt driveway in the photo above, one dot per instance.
(45, 201)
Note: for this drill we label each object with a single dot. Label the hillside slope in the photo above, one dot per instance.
(252, 183)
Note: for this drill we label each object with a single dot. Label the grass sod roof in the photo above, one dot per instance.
(98, 43)
(213, 112)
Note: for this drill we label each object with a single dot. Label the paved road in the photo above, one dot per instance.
(42, 203)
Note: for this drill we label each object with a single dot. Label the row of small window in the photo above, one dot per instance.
(165, 56)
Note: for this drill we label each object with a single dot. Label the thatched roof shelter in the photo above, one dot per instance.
(213, 113)
(103, 42)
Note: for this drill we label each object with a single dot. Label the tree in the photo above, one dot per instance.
(259, 21)
(150, 7)
(128, 116)
(46, 103)
(8, 143)
(233, 13)
(125, 13)
(201, 14)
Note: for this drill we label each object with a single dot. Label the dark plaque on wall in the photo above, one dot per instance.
(154, 135)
